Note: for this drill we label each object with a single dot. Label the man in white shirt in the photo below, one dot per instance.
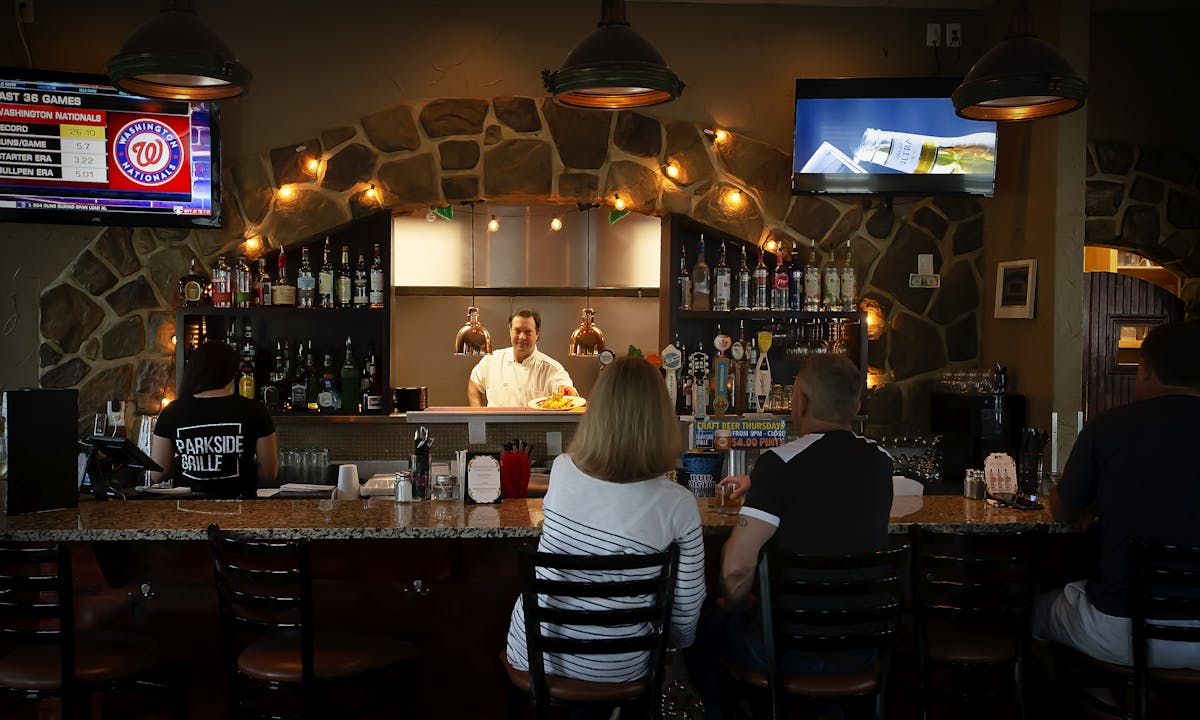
(513, 376)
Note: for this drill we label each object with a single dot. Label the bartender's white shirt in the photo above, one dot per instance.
(509, 383)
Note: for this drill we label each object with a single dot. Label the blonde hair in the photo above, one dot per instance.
(630, 432)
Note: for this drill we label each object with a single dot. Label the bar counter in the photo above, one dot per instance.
(381, 518)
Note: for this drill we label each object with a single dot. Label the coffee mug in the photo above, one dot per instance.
(347, 485)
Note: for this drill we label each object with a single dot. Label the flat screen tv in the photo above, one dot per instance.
(888, 135)
(74, 149)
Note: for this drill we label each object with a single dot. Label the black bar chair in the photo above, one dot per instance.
(553, 585)
(973, 596)
(827, 606)
(273, 653)
(42, 655)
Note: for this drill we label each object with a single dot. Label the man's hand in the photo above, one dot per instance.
(740, 483)
(566, 390)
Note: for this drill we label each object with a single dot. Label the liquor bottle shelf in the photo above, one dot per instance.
(767, 314)
(197, 311)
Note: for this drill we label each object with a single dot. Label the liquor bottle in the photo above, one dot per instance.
(911, 153)
(273, 394)
(312, 394)
(329, 397)
(325, 280)
(246, 380)
(812, 283)
(744, 289)
(362, 297)
(779, 284)
(849, 284)
(751, 365)
(283, 292)
(242, 283)
(344, 283)
(685, 281)
(262, 287)
(762, 284)
(350, 389)
(299, 387)
(376, 292)
(831, 296)
(231, 338)
(701, 289)
(195, 289)
(722, 283)
(795, 284)
(372, 395)
(222, 284)
(306, 282)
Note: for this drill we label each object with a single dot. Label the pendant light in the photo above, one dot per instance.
(473, 338)
(614, 68)
(175, 56)
(1022, 78)
(588, 338)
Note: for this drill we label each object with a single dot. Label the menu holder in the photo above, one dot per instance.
(482, 481)
(1000, 474)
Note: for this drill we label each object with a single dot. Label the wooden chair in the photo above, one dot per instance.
(973, 596)
(42, 655)
(264, 589)
(542, 576)
(813, 604)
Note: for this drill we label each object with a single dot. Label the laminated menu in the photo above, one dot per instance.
(1000, 474)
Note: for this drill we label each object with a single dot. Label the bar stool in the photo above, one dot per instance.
(830, 606)
(545, 575)
(42, 655)
(973, 599)
(264, 588)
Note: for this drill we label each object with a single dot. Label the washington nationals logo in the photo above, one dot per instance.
(148, 152)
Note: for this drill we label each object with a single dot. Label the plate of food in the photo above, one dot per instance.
(558, 402)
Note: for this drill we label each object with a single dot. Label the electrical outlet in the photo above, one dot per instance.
(953, 35)
(933, 35)
(25, 10)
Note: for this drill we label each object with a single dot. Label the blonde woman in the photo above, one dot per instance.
(608, 496)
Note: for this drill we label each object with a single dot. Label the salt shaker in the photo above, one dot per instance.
(404, 488)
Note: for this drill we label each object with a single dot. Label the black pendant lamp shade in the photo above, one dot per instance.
(175, 56)
(613, 68)
(1022, 78)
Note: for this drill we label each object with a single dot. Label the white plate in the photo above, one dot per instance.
(576, 403)
(178, 490)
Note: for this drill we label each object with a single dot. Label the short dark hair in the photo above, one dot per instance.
(833, 386)
(1172, 351)
(211, 366)
(527, 312)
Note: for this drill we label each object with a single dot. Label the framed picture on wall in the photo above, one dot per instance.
(1016, 287)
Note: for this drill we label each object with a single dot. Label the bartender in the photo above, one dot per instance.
(513, 376)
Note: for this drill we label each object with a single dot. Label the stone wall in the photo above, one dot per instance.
(107, 321)
(1147, 200)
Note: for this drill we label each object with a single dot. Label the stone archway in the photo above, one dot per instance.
(107, 320)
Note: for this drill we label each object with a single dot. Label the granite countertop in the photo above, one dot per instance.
(380, 517)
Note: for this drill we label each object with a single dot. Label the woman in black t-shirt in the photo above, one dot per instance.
(225, 443)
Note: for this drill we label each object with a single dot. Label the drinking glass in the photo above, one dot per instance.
(724, 504)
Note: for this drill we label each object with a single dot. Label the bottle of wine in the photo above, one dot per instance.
(195, 289)
(344, 284)
(283, 292)
(222, 284)
(831, 297)
(701, 286)
(306, 282)
(762, 285)
(350, 388)
(262, 286)
(722, 283)
(779, 284)
(684, 280)
(325, 279)
(361, 293)
(812, 283)
(795, 283)
(744, 285)
(242, 290)
(911, 153)
(377, 289)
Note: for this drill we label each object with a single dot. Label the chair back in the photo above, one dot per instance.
(590, 591)
(264, 587)
(1166, 586)
(982, 578)
(36, 602)
(824, 604)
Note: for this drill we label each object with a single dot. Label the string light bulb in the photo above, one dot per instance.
(619, 202)
(372, 192)
(312, 165)
(287, 192)
(166, 400)
(493, 224)
(253, 244)
(671, 170)
(556, 224)
(770, 245)
(717, 134)
(734, 197)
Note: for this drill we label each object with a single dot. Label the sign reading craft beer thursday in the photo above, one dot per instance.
(741, 433)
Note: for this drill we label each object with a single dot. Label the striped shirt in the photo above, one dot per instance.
(587, 516)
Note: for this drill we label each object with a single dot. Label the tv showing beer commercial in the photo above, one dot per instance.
(888, 135)
(74, 149)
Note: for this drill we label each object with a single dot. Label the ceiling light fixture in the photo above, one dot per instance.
(473, 338)
(177, 57)
(614, 68)
(1022, 78)
(587, 339)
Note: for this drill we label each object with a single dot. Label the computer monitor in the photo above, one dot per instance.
(121, 454)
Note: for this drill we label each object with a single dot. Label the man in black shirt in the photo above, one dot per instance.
(1137, 469)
